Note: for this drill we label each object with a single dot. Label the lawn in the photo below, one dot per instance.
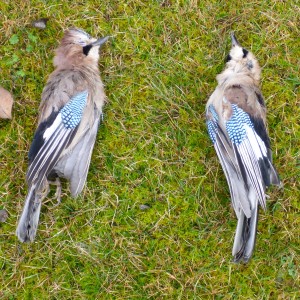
(154, 220)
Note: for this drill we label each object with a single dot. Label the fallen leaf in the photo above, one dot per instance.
(6, 102)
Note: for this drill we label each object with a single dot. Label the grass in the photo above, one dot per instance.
(152, 149)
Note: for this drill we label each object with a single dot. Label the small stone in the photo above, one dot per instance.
(144, 206)
(3, 215)
(40, 23)
(6, 102)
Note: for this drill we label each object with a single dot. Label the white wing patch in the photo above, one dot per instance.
(258, 145)
(50, 130)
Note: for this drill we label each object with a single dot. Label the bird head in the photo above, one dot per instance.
(241, 60)
(77, 47)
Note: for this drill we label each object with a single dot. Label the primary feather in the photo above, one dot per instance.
(70, 111)
(236, 123)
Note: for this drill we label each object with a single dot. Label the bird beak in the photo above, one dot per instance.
(234, 41)
(101, 41)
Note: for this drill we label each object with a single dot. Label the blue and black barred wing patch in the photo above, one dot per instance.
(53, 136)
(72, 112)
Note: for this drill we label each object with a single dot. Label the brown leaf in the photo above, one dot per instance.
(6, 102)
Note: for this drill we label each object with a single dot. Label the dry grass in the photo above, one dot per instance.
(152, 149)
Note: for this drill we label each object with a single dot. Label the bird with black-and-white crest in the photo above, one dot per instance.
(69, 117)
(236, 123)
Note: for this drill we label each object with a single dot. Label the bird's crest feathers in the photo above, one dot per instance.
(76, 36)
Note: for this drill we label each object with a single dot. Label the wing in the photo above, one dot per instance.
(244, 156)
(74, 169)
(230, 165)
(250, 151)
(53, 136)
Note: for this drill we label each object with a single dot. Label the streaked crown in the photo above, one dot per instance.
(77, 36)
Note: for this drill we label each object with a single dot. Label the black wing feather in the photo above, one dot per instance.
(38, 139)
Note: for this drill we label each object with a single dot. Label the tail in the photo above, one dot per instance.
(245, 235)
(29, 220)
(244, 241)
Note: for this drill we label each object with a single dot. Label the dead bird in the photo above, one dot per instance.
(236, 123)
(69, 117)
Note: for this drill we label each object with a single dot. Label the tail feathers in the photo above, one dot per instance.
(244, 241)
(29, 220)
